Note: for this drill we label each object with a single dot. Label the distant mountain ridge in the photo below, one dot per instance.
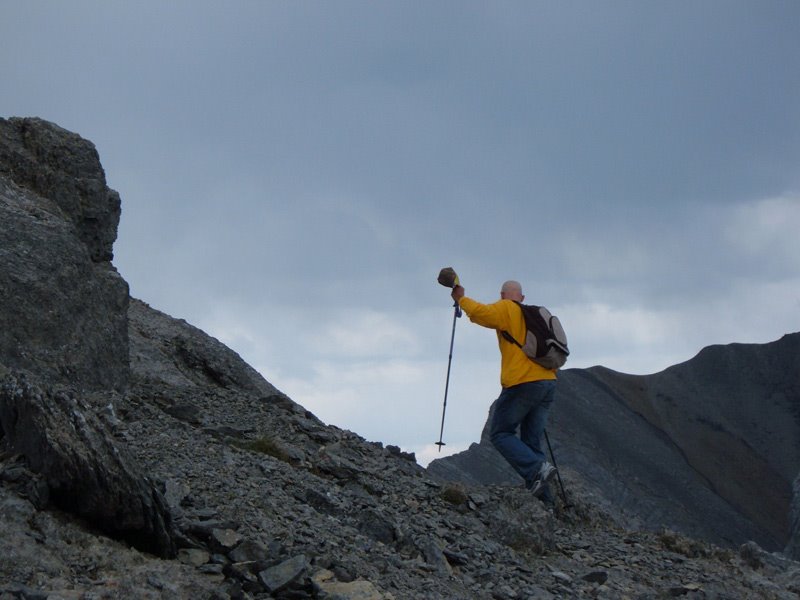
(710, 446)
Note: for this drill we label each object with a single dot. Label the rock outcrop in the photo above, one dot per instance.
(78, 466)
(65, 169)
(169, 352)
(64, 306)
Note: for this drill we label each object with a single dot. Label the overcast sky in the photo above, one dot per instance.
(294, 175)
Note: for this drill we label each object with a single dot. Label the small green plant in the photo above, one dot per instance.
(264, 445)
(679, 544)
(455, 495)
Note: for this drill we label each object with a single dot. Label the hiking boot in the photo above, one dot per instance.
(546, 473)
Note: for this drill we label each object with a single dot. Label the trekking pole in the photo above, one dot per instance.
(558, 473)
(456, 315)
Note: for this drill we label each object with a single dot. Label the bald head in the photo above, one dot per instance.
(512, 290)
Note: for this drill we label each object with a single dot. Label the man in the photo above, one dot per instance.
(528, 390)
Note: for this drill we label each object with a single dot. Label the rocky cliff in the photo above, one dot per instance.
(141, 458)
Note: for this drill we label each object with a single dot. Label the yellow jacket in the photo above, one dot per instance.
(505, 315)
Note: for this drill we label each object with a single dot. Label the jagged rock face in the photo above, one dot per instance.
(64, 314)
(82, 469)
(709, 447)
(64, 168)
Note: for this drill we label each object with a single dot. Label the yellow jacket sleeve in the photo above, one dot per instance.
(506, 315)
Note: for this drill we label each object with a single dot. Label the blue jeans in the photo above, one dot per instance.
(524, 406)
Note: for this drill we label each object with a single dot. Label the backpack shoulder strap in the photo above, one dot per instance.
(510, 338)
(507, 336)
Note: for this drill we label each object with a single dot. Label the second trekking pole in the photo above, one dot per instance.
(558, 474)
(456, 315)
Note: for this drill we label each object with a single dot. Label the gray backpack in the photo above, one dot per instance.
(545, 340)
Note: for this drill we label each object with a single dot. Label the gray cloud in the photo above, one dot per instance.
(284, 166)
